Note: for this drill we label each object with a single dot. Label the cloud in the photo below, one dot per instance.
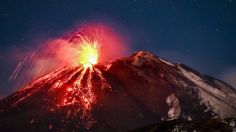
(229, 76)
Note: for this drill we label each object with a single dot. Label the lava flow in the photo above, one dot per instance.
(75, 81)
(74, 87)
(81, 90)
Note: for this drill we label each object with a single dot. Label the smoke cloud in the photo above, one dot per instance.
(59, 52)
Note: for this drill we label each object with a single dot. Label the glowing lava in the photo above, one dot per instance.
(81, 91)
(75, 85)
(88, 54)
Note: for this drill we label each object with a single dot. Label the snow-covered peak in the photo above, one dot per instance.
(222, 101)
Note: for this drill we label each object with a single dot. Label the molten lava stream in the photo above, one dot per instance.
(80, 90)
(39, 84)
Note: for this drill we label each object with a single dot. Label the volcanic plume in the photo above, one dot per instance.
(87, 47)
(124, 94)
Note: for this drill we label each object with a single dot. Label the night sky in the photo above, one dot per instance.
(199, 33)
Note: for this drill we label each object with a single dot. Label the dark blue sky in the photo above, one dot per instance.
(199, 33)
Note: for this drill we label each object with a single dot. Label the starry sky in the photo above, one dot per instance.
(199, 33)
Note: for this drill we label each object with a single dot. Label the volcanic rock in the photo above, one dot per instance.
(127, 94)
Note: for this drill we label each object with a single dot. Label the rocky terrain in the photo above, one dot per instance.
(142, 92)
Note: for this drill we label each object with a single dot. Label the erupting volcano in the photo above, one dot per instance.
(80, 90)
(78, 83)
(93, 94)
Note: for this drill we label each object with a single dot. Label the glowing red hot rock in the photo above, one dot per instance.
(77, 78)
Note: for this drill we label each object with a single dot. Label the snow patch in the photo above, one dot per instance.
(166, 62)
(175, 109)
(200, 82)
(222, 103)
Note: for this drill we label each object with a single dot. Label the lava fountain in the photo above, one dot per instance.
(88, 51)
(88, 54)
(73, 88)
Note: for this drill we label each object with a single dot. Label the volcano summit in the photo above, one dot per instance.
(126, 94)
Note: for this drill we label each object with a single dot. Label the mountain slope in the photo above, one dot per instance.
(126, 94)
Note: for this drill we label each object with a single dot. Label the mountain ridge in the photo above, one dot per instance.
(138, 90)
